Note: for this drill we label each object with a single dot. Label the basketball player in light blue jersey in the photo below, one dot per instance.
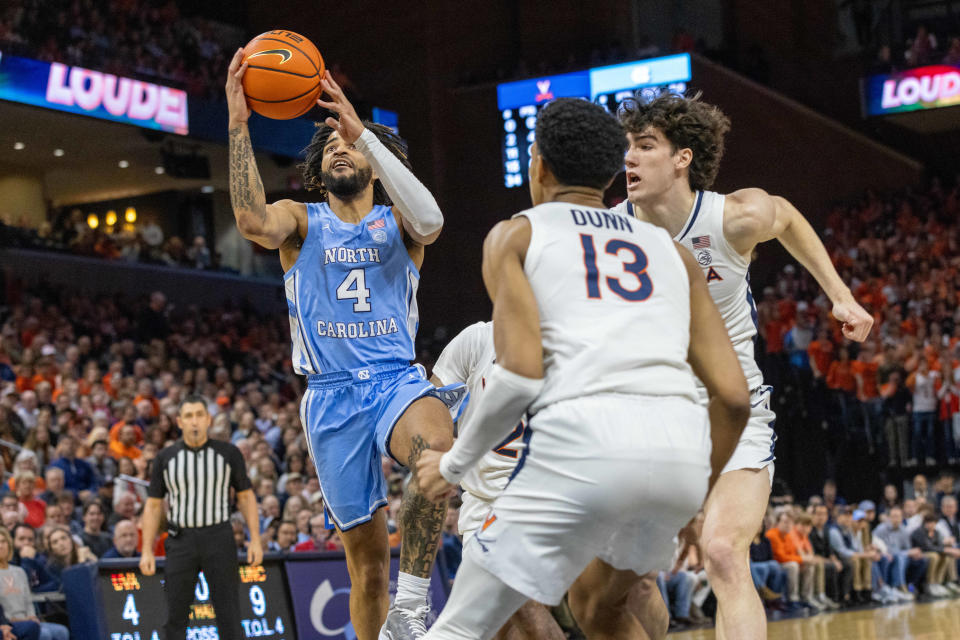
(351, 266)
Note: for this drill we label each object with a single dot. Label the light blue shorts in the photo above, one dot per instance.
(349, 418)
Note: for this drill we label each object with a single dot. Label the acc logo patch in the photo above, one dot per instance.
(379, 236)
(704, 258)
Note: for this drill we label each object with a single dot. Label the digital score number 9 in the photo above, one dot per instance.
(258, 600)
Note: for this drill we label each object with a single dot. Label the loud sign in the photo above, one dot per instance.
(135, 605)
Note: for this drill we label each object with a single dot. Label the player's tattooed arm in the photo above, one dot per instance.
(421, 520)
(246, 188)
(267, 225)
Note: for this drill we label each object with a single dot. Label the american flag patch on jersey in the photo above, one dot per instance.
(701, 242)
(376, 224)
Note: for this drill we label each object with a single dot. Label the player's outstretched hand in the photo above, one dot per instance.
(348, 126)
(254, 553)
(432, 483)
(856, 321)
(237, 105)
(148, 564)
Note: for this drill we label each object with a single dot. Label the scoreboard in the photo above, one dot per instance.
(134, 605)
(520, 101)
(296, 596)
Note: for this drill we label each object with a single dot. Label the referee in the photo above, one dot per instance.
(195, 475)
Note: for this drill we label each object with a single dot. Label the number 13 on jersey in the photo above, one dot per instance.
(643, 288)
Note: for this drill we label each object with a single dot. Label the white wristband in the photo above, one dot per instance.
(413, 200)
(453, 476)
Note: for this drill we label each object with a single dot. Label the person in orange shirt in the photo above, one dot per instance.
(46, 368)
(865, 369)
(126, 445)
(843, 385)
(111, 379)
(129, 418)
(813, 584)
(821, 354)
(785, 552)
(24, 378)
(145, 392)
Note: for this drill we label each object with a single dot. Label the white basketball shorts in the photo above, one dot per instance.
(473, 512)
(609, 476)
(755, 448)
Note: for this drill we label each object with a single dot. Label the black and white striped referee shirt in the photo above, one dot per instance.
(197, 482)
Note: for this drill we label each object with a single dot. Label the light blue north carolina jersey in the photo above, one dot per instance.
(352, 293)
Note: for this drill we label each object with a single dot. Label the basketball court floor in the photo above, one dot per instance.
(938, 620)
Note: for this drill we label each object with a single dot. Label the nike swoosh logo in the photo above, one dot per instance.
(283, 53)
(759, 403)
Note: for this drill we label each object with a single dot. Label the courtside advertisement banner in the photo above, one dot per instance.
(320, 592)
(93, 93)
(921, 88)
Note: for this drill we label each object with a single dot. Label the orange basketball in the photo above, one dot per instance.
(282, 79)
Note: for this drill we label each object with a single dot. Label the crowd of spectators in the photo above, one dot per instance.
(148, 39)
(897, 395)
(828, 553)
(144, 244)
(89, 391)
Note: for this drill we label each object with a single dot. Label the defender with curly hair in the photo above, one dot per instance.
(676, 144)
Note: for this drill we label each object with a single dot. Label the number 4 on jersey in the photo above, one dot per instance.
(359, 292)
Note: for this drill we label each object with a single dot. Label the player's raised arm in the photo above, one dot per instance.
(758, 216)
(713, 359)
(422, 219)
(517, 377)
(267, 225)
